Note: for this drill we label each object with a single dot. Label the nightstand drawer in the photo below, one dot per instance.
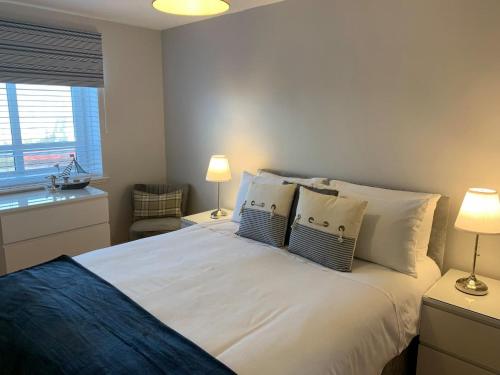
(432, 362)
(467, 339)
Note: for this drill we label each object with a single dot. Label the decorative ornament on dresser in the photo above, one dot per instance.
(73, 176)
(479, 214)
(218, 171)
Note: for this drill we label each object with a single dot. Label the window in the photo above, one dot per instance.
(41, 126)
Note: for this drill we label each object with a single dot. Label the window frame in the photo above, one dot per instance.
(81, 128)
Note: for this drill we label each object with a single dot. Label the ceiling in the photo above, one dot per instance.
(131, 12)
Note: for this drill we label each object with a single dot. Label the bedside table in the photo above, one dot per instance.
(459, 333)
(202, 217)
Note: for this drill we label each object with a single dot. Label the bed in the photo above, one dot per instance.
(258, 309)
(262, 310)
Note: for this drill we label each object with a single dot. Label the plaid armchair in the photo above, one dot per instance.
(145, 227)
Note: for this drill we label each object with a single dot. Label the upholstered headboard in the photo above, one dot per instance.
(437, 243)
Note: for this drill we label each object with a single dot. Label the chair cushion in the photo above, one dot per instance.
(149, 205)
(163, 188)
(164, 224)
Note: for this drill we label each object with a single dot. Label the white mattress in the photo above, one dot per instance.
(261, 310)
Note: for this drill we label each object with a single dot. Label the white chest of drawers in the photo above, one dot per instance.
(38, 226)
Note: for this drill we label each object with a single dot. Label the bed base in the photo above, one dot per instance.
(405, 363)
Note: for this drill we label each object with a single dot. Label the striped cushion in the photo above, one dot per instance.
(148, 205)
(322, 248)
(322, 189)
(325, 229)
(265, 213)
(260, 226)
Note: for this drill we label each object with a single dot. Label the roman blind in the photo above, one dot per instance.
(49, 56)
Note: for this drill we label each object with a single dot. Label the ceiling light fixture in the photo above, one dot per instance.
(192, 7)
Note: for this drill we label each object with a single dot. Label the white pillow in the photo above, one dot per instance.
(397, 225)
(271, 178)
(424, 234)
(246, 180)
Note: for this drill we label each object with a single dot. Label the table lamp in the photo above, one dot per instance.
(479, 214)
(218, 171)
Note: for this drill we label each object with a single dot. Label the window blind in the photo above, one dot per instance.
(50, 56)
(42, 126)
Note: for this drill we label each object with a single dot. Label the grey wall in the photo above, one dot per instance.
(134, 145)
(403, 94)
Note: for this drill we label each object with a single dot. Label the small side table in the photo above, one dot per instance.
(202, 217)
(459, 333)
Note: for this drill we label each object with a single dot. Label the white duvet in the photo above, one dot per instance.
(261, 310)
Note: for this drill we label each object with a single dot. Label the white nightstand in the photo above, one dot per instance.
(202, 217)
(459, 333)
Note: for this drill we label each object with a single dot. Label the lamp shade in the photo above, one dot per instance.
(480, 212)
(218, 169)
(192, 7)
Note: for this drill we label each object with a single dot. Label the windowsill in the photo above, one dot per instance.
(22, 188)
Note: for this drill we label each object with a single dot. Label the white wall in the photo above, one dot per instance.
(404, 94)
(134, 146)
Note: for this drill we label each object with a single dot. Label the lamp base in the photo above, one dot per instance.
(217, 214)
(471, 285)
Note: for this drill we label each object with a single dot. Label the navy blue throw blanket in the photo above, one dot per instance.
(60, 318)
